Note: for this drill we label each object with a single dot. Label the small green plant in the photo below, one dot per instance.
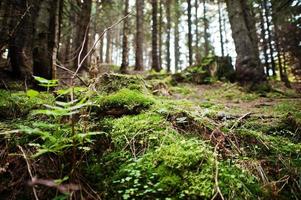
(61, 130)
(46, 83)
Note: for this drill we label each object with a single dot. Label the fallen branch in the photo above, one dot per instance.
(29, 171)
(63, 188)
(240, 119)
(218, 190)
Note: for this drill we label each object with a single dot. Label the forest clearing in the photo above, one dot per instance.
(154, 99)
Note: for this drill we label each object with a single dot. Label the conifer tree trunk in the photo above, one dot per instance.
(139, 35)
(82, 39)
(264, 43)
(205, 28)
(177, 36)
(160, 34)
(44, 39)
(125, 47)
(267, 11)
(109, 47)
(168, 18)
(189, 32)
(248, 66)
(221, 28)
(197, 49)
(155, 58)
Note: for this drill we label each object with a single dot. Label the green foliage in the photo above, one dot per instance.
(19, 104)
(182, 170)
(55, 138)
(46, 83)
(129, 100)
(109, 83)
(139, 132)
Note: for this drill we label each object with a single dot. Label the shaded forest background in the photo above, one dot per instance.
(46, 37)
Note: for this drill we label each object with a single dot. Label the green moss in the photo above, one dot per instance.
(124, 101)
(139, 132)
(183, 170)
(109, 83)
(19, 104)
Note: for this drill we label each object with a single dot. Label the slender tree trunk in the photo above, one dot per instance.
(177, 36)
(17, 41)
(160, 33)
(109, 47)
(155, 58)
(82, 38)
(197, 49)
(273, 65)
(101, 50)
(264, 42)
(125, 46)
(248, 67)
(168, 18)
(221, 28)
(205, 28)
(44, 39)
(139, 35)
(189, 32)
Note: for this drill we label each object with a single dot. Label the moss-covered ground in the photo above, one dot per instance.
(151, 140)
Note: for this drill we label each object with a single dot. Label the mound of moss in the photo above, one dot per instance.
(182, 170)
(110, 83)
(122, 102)
(212, 68)
(19, 104)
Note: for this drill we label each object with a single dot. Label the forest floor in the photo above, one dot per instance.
(135, 138)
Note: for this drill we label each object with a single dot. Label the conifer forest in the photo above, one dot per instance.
(150, 99)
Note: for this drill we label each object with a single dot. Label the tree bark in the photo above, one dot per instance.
(177, 36)
(267, 11)
(221, 28)
(139, 35)
(155, 57)
(189, 32)
(160, 34)
(197, 49)
(205, 28)
(125, 46)
(264, 42)
(44, 39)
(248, 67)
(168, 18)
(82, 38)
(109, 47)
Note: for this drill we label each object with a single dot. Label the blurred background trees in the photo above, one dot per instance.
(40, 37)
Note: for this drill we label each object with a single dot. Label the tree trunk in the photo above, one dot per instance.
(177, 36)
(264, 42)
(155, 58)
(160, 33)
(205, 28)
(168, 18)
(44, 39)
(197, 49)
(109, 47)
(189, 32)
(139, 35)
(248, 67)
(267, 11)
(17, 41)
(82, 38)
(221, 28)
(125, 46)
